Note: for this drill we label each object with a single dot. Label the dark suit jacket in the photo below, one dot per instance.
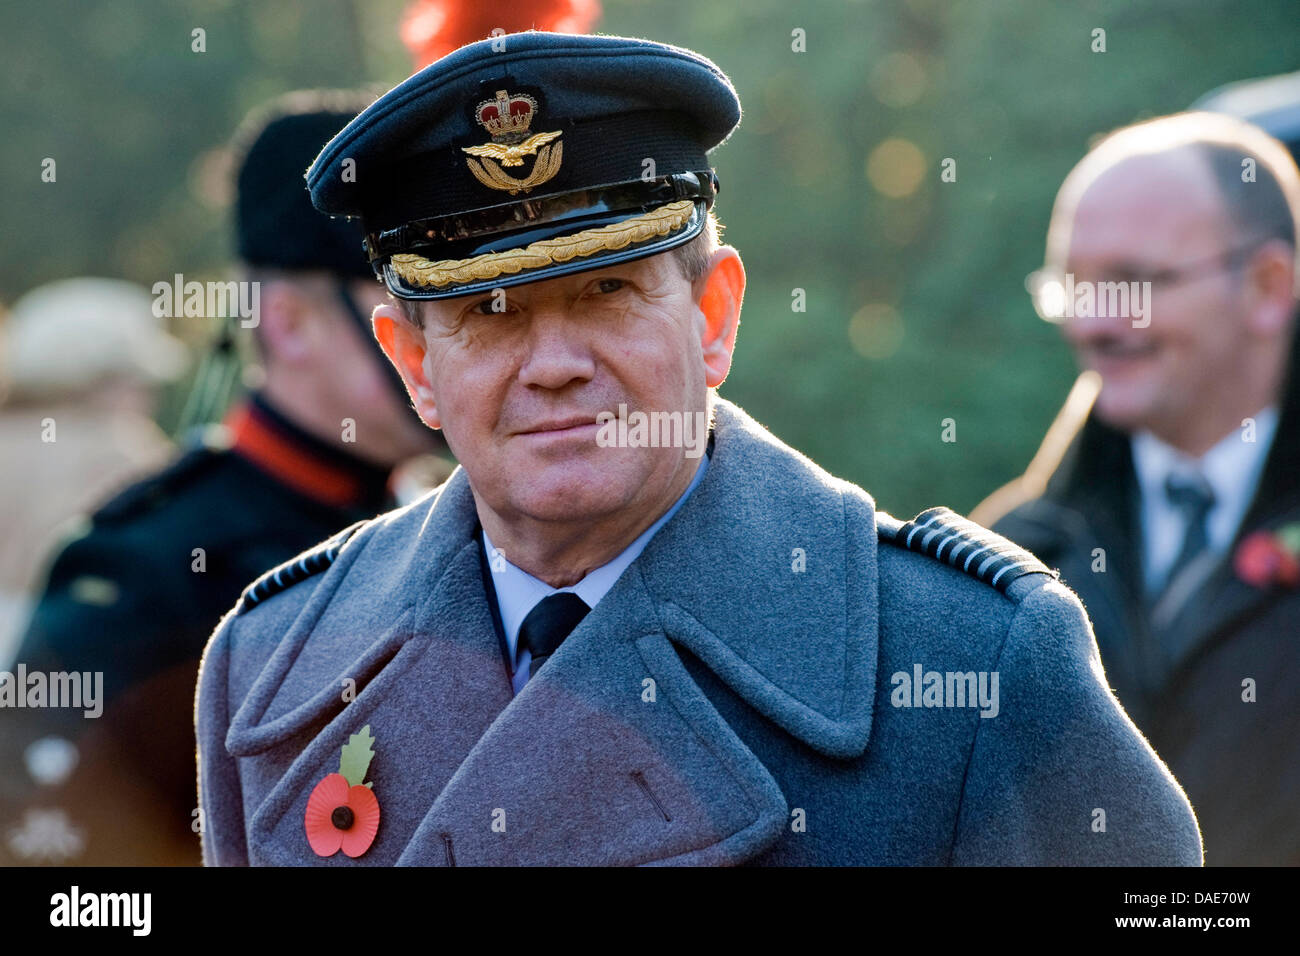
(1238, 761)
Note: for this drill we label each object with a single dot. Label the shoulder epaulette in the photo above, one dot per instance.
(310, 562)
(946, 536)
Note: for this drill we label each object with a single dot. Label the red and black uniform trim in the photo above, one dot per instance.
(303, 462)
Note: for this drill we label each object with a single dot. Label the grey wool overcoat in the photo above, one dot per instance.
(783, 676)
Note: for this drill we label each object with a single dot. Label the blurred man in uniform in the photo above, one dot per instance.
(309, 452)
(81, 362)
(1166, 491)
(633, 626)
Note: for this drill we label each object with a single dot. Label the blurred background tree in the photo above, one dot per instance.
(915, 309)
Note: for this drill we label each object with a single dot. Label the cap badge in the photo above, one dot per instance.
(507, 118)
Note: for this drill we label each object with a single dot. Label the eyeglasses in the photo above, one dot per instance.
(1047, 287)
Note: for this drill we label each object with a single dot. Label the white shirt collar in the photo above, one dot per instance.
(518, 591)
(1232, 468)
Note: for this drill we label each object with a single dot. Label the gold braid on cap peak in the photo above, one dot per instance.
(418, 270)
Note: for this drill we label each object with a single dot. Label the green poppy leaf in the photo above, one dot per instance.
(357, 754)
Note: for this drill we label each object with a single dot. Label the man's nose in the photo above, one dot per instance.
(557, 351)
(1090, 316)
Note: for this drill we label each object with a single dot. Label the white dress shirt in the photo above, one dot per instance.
(1232, 468)
(518, 591)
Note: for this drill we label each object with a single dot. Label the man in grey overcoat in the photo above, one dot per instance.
(634, 627)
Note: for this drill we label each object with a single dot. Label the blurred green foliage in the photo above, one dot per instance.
(915, 305)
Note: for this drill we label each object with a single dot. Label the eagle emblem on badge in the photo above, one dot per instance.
(507, 118)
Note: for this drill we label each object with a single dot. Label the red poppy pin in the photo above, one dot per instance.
(343, 812)
(1270, 558)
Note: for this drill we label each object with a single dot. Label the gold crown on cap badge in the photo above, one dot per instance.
(507, 118)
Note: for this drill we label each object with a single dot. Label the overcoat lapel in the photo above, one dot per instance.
(427, 651)
(610, 755)
(427, 708)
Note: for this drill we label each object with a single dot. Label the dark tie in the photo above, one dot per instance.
(547, 625)
(1193, 497)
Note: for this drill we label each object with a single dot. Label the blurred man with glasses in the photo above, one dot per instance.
(1167, 491)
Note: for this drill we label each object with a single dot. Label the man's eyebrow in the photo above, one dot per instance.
(618, 268)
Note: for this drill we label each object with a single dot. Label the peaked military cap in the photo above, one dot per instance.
(530, 156)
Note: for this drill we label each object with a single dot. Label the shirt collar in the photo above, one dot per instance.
(1232, 468)
(517, 591)
(1229, 466)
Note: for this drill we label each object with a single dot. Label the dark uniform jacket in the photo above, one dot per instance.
(738, 696)
(1238, 760)
(131, 597)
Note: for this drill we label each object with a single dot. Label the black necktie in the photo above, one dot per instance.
(547, 625)
(1194, 498)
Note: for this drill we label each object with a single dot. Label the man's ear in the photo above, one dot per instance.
(404, 345)
(719, 293)
(1270, 283)
(286, 328)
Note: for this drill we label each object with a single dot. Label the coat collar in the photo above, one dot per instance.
(767, 574)
(799, 645)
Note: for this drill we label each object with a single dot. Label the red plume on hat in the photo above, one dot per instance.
(433, 28)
